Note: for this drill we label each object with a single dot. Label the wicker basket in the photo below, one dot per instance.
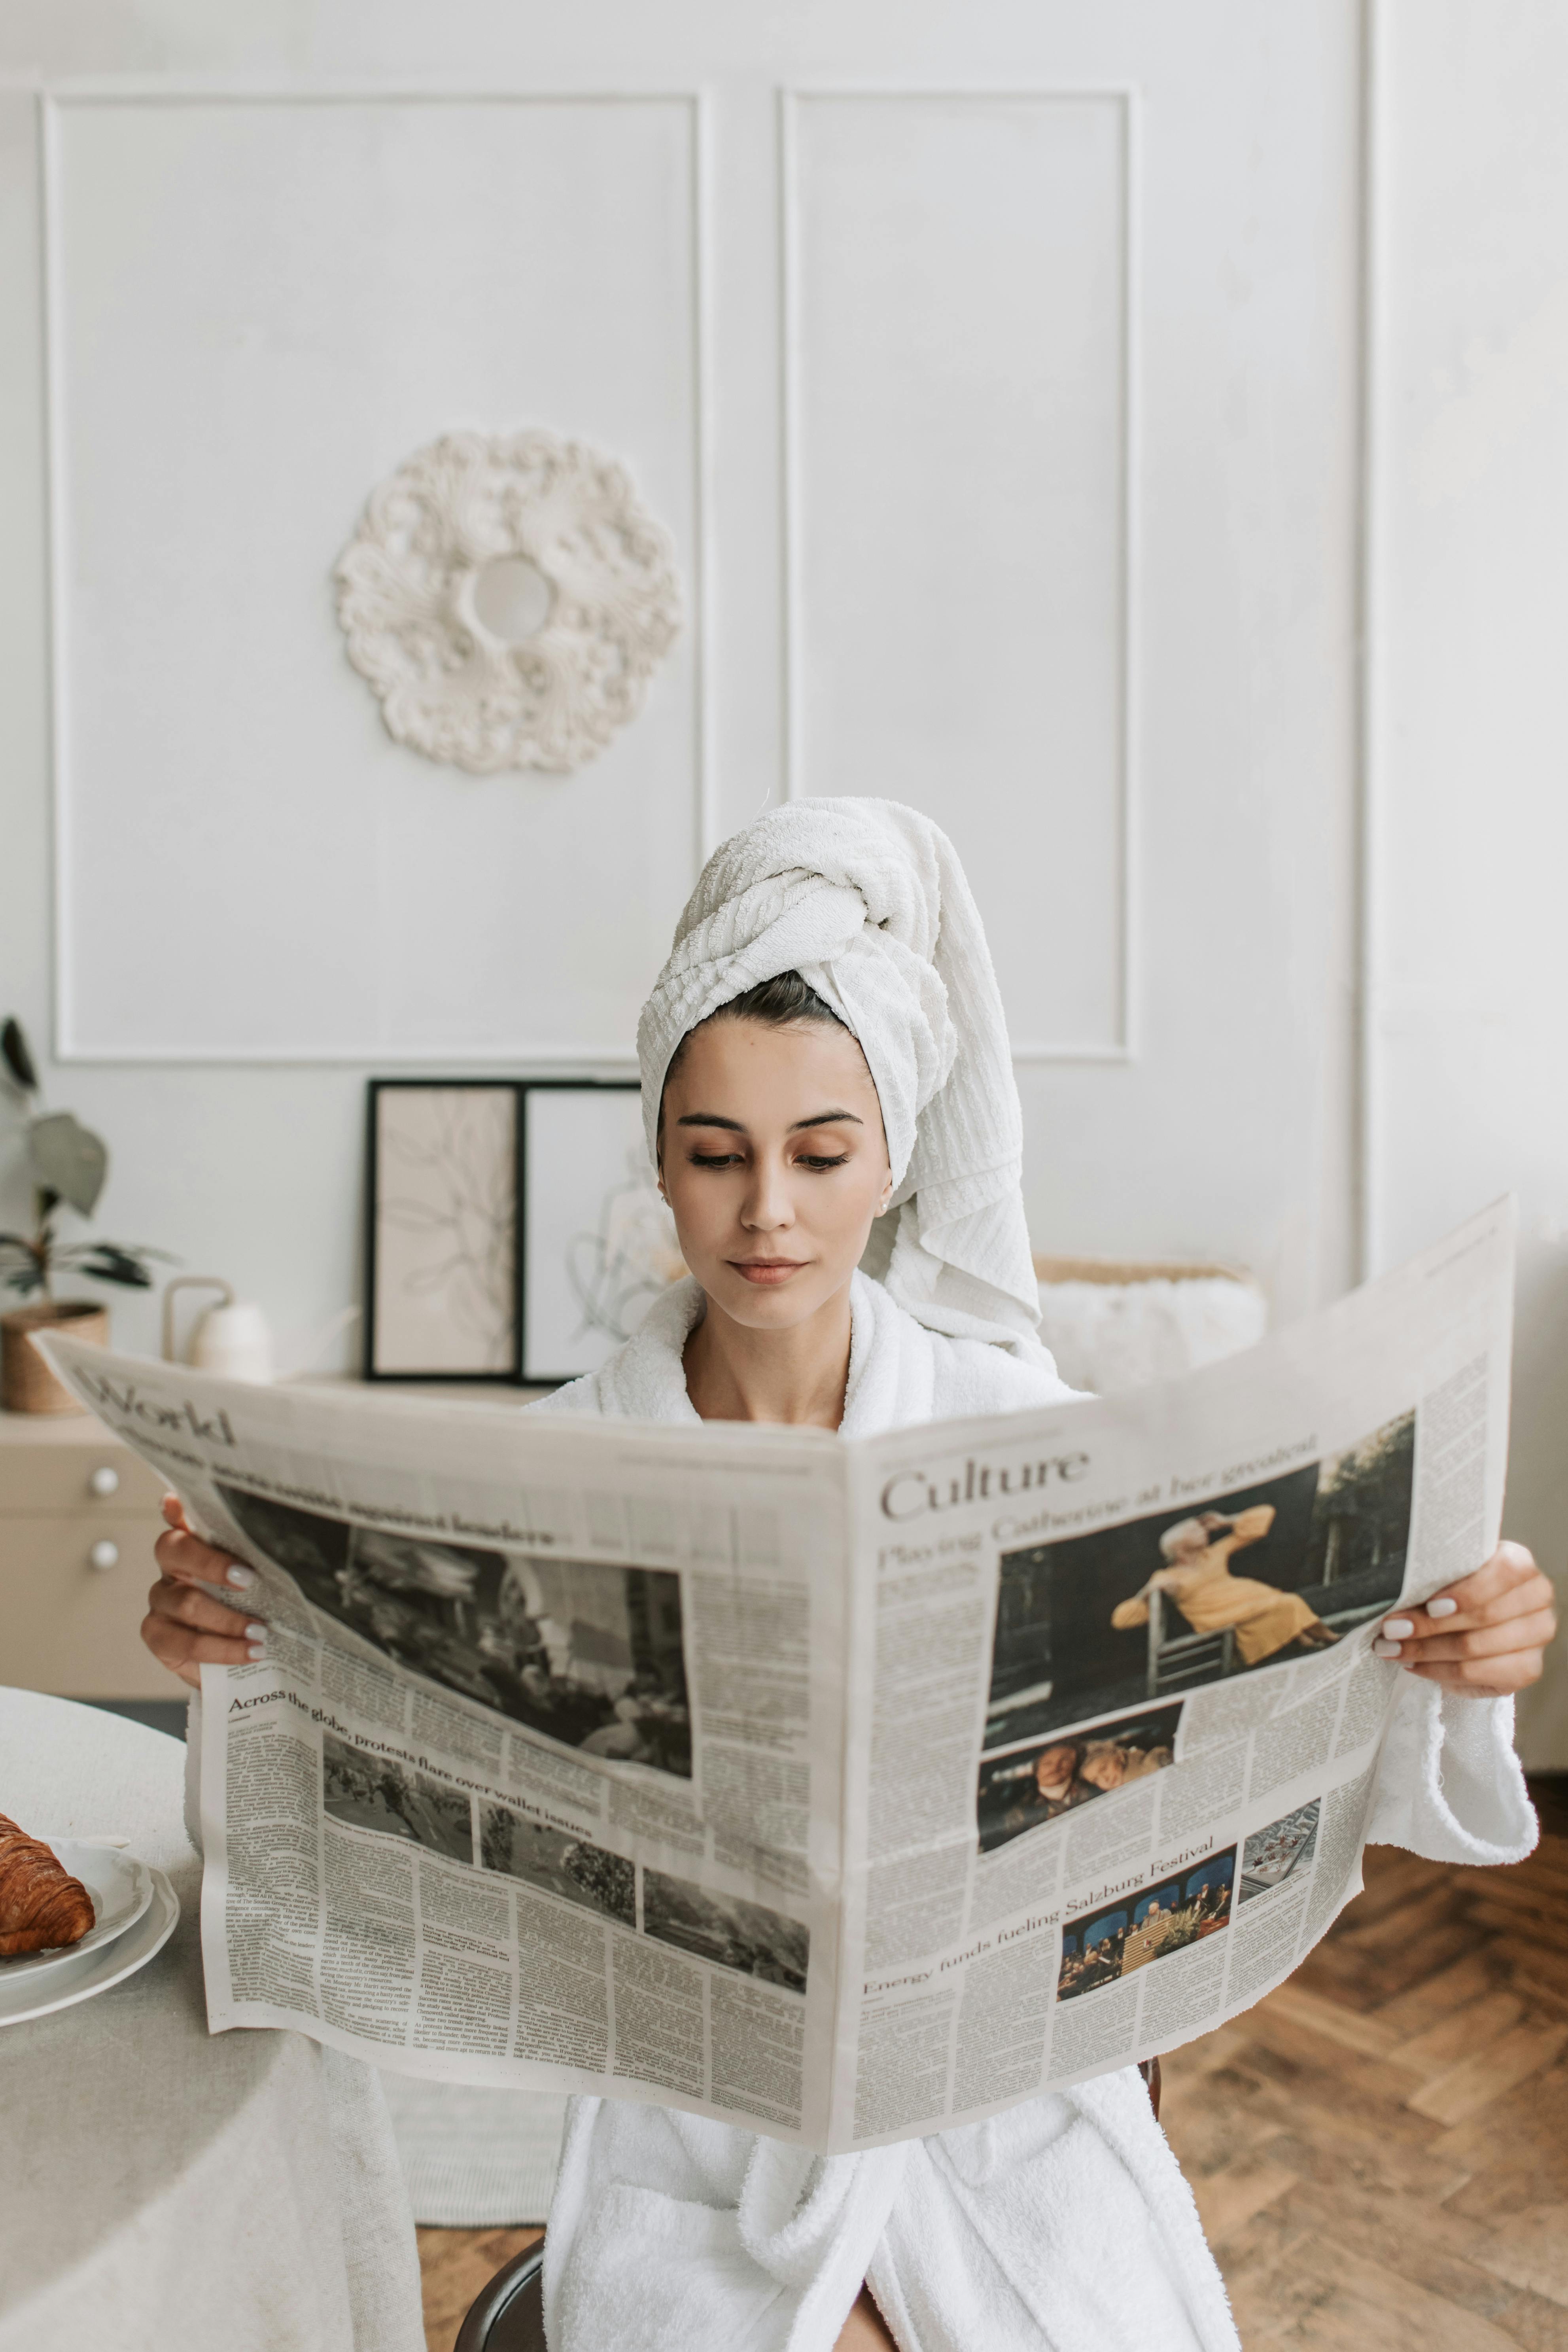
(1113, 1324)
(27, 1383)
(1124, 1270)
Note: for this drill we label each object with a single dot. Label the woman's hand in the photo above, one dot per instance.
(187, 1629)
(1484, 1636)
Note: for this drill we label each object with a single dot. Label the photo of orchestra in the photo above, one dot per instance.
(581, 1651)
(1099, 1947)
(1165, 1604)
(1025, 1787)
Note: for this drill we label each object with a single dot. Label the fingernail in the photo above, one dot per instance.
(259, 1649)
(240, 1576)
(255, 1632)
(1442, 1609)
(1398, 1629)
(1386, 1649)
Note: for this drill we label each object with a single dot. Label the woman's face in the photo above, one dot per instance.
(775, 1163)
(1104, 1765)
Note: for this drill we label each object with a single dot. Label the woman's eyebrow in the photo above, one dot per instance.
(711, 1119)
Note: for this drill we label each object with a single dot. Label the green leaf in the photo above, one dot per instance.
(18, 1060)
(69, 1160)
(26, 1279)
(111, 1265)
(117, 1270)
(123, 1262)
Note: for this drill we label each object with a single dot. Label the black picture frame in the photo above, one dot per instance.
(373, 1366)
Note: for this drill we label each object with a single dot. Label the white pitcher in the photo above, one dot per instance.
(233, 1337)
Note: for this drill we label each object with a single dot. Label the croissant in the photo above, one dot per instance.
(41, 1904)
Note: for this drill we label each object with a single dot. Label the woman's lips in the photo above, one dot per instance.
(767, 1270)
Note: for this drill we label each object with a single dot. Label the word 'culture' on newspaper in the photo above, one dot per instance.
(846, 1790)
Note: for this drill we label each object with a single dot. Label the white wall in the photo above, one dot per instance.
(1469, 773)
(1167, 831)
(1152, 462)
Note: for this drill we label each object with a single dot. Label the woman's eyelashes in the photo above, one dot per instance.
(817, 1161)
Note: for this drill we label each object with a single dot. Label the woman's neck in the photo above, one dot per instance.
(799, 1377)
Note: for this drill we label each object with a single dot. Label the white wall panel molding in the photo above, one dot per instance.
(588, 241)
(990, 679)
(1366, 1111)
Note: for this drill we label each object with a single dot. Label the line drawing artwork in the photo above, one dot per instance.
(632, 1256)
(448, 1174)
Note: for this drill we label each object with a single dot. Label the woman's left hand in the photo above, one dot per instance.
(1485, 1636)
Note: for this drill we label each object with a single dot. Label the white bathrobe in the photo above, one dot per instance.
(1062, 2225)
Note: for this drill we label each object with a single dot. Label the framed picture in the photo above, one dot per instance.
(598, 1244)
(445, 1180)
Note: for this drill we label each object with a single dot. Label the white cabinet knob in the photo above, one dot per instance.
(104, 1556)
(105, 1481)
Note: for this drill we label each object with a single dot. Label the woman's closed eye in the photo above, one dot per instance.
(817, 1161)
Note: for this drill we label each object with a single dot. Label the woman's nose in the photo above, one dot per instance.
(768, 1207)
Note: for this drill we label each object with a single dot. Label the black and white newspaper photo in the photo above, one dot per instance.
(851, 1789)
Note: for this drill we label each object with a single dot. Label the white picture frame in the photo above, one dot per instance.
(597, 1244)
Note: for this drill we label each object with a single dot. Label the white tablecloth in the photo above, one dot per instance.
(163, 2190)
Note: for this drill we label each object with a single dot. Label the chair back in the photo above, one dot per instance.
(508, 2316)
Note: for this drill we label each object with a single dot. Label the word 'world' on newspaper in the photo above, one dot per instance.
(843, 1789)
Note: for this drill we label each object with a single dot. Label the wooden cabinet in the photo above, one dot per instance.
(79, 1517)
(70, 1497)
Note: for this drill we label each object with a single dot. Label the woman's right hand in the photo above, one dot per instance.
(184, 1628)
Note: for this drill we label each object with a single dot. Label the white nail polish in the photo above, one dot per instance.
(1442, 1609)
(259, 1649)
(240, 1576)
(1386, 1649)
(1398, 1629)
(255, 1632)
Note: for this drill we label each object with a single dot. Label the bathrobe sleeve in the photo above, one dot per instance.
(1449, 1785)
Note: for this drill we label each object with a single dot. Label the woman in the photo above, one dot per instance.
(1197, 1555)
(1112, 1763)
(827, 1080)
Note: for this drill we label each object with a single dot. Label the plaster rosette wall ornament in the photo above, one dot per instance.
(507, 596)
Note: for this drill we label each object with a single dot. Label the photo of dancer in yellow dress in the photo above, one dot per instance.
(1197, 1574)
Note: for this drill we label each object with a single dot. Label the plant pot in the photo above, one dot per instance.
(27, 1383)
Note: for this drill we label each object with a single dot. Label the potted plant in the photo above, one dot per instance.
(68, 1165)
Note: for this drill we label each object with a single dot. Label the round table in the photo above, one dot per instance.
(163, 2190)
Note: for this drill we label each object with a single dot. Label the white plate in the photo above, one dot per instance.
(122, 1890)
(86, 1973)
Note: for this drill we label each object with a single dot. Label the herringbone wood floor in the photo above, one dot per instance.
(1379, 2150)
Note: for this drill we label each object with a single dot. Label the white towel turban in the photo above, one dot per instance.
(867, 900)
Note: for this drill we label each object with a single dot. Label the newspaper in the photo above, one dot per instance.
(843, 1790)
